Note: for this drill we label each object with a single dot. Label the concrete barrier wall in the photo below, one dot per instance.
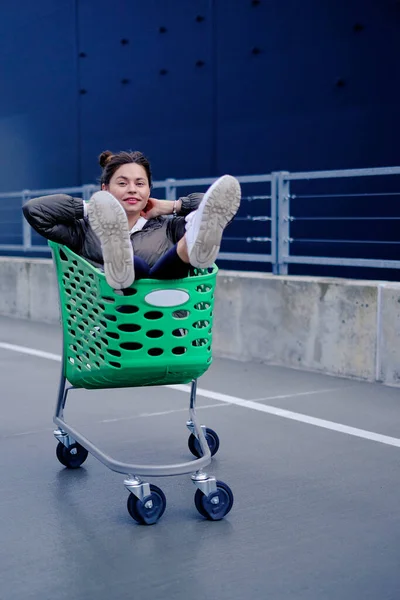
(337, 326)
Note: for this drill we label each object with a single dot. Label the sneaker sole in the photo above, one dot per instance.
(108, 221)
(222, 205)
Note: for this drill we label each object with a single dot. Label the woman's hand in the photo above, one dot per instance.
(156, 208)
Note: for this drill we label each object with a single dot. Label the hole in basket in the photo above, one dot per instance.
(180, 332)
(107, 299)
(129, 292)
(113, 352)
(204, 287)
(179, 350)
(129, 327)
(110, 317)
(181, 314)
(115, 364)
(130, 346)
(154, 333)
(98, 345)
(200, 342)
(209, 359)
(112, 335)
(201, 324)
(153, 315)
(66, 275)
(62, 254)
(155, 351)
(202, 305)
(81, 272)
(127, 309)
(91, 276)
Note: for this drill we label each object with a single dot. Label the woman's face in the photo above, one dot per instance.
(130, 186)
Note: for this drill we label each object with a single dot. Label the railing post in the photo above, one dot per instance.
(26, 228)
(283, 234)
(274, 223)
(170, 189)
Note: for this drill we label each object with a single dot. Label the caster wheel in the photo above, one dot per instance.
(72, 457)
(150, 509)
(208, 506)
(212, 441)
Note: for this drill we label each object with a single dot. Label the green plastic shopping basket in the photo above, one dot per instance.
(159, 332)
(154, 333)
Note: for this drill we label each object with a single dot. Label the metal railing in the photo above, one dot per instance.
(274, 222)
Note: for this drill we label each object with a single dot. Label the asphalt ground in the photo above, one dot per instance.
(312, 460)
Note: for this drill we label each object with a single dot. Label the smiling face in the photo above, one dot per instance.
(130, 186)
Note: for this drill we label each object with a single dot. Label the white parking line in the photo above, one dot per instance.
(272, 410)
(31, 351)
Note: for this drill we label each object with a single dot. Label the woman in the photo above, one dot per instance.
(129, 232)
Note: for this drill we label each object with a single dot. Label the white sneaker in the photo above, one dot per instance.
(109, 222)
(205, 226)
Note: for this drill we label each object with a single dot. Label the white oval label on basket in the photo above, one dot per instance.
(167, 297)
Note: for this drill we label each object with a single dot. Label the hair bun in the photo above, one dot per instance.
(104, 158)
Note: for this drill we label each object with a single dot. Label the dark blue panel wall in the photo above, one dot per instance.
(38, 101)
(203, 87)
(307, 85)
(144, 85)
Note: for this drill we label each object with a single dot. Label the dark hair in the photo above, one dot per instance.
(110, 162)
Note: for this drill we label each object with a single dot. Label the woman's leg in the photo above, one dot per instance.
(142, 269)
(200, 244)
(170, 266)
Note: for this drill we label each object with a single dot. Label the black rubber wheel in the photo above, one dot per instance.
(211, 511)
(72, 457)
(212, 441)
(147, 515)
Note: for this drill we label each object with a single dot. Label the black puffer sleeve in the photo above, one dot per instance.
(59, 218)
(190, 203)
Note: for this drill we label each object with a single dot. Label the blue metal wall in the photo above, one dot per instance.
(203, 87)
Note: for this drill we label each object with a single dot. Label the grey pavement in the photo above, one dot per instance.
(315, 517)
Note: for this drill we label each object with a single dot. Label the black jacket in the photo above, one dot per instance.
(60, 218)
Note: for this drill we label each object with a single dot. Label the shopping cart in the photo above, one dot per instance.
(154, 333)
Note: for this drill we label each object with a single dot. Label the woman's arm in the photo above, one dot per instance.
(58, 218)
(183, 206)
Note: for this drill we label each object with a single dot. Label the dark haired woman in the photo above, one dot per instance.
(131, 233)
